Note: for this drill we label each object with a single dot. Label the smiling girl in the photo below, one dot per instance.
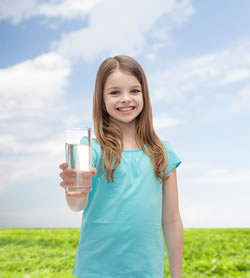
(134, 193)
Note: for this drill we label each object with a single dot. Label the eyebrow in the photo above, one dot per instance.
(115, 88)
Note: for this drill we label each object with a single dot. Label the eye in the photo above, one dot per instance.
(114, 92)
(135, 91)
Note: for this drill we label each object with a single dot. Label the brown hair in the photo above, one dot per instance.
(109, 135)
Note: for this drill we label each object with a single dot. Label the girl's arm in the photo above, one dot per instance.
(172, 225)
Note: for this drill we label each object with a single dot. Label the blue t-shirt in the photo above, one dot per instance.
(121, 233)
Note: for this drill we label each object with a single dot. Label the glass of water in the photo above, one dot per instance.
(78, 157)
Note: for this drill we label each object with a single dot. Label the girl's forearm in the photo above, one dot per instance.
(174, 237)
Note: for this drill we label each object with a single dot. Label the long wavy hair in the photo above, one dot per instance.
(109, 135)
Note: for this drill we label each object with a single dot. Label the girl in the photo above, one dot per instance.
(134, 187)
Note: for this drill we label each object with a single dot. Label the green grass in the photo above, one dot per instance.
(51, 252)
(216, 253)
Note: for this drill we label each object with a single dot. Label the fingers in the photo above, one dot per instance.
(68, 173)
(72, 177)
(62, 184)
(63, 166)
(93, 171)
(66, 183)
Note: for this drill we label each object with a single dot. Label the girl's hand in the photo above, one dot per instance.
(68, 177)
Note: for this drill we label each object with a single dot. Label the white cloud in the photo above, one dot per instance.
(164, 121)
(195, 166)
(111, 32)
(31, 95)
(182, 12)
(220, 176)
(27, 9)
(22, 144)
(30, 86)
(15, 10)
(190, 76)
(151, 56)
(66, 8)
(236, 75)
(219, 196)
(241, 101)
(72, 120)
(30, 161)
(227, 215)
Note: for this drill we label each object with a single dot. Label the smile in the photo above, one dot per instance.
(125, 109)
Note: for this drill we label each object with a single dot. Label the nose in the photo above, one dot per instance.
(125, 97)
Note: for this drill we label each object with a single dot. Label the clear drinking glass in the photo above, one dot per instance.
(78, 156)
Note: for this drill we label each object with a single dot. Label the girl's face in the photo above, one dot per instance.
(123, 97)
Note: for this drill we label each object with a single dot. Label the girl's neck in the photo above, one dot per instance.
(129, 138)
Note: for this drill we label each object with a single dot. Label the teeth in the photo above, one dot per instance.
(125, 109)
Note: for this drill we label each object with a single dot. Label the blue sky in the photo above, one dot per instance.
(196, 55)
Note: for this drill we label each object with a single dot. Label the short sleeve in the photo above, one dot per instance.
(173, 160)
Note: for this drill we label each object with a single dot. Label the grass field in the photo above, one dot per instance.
(40, 253)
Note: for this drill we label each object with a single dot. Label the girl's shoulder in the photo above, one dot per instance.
(94, 142)
(173, 158)
(167, 144)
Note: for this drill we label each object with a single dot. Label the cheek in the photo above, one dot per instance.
(105, 101)
(108, 105)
